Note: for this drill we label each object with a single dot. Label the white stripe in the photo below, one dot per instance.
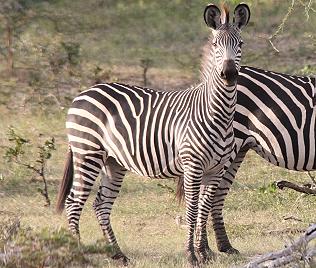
(72, 138)
(108, 114)
(312, 145)
(274, 142)
(113, 149)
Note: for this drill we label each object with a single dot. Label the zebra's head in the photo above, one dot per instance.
(226, 42)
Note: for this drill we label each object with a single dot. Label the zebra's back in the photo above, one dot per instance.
(137, 126)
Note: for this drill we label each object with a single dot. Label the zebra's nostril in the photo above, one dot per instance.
(223, 75)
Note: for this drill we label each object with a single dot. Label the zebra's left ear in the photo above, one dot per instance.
(241, 15)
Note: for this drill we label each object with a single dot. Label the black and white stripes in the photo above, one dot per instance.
(275, 116)
(160, 134)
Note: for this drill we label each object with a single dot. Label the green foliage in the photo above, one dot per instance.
(12, 10)
(271, 188)
(73, 52)
(45, 150)
(18, 147)
(55, 50)
(16, 151)
(308, 70)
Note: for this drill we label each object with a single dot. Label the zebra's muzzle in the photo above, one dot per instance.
(229, 73)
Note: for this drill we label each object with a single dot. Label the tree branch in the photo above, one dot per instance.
(308, 7)
(31, 167)
(293, 254)
(312, 177)
(281, 26)
(302, 189)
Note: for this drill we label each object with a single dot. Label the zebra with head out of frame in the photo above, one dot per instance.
(276, 117)
(160, 134)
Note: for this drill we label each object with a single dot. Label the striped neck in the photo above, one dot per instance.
(218, 94)
(220, 101)
(207, 64)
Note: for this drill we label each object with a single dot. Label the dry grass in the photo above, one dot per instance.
(144, 214)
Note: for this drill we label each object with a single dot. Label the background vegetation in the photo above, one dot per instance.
(51, 50)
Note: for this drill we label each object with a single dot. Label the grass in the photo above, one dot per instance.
(144, 215)
(116, 37)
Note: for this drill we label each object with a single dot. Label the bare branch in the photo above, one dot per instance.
(302, 189)
(312, 177)
(308, 7)
(281, 26)
(297, 252)
(273, 46)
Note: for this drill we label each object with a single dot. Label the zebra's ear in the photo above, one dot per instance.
(241, 15)
(212, 16)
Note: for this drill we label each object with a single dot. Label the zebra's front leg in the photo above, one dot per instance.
(192, 184)
(222, 240)
(213, 202)
(111, 182)
(201, 243)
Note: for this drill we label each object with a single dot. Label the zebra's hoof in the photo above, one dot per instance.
(121, 259)
(206, 255)
(192, 261)
(76, 235)
(230, 250)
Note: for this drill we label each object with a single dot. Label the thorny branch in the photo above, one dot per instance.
(307, 7)
(16, 151)
(281, 26)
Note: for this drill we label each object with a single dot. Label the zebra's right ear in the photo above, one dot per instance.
(212, 16)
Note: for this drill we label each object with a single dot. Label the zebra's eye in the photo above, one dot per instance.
(241, 43)
(214, 44)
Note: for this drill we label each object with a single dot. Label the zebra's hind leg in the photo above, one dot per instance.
(86, 169)
(111, 182)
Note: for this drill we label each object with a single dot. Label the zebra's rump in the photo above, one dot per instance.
(278, 111)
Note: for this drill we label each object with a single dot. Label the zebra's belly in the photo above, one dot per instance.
(285, 139)
(298, 154)
(159, 169)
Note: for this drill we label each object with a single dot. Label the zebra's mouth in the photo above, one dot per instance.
(230, 83)
(229, 73)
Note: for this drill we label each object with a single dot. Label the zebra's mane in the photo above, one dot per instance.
(207, 60)
(225, 14)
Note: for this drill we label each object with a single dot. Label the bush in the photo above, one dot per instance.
(45, 249)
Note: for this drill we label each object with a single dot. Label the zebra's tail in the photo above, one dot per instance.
(66, 183)
(180, 190)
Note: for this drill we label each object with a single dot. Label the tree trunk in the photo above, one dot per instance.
(9, 44)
